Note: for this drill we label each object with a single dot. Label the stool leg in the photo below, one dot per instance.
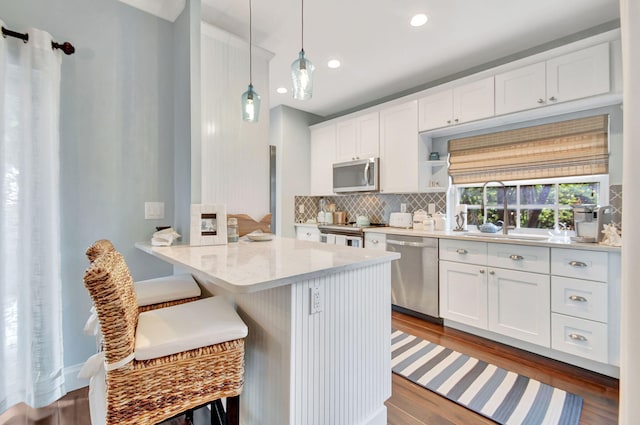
(233, 410)
(217, 413)
(188, 417)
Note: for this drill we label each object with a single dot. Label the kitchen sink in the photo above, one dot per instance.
(510, 236)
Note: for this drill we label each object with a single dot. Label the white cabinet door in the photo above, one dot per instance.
(436, 110)
(520, 89)
(323, 155)
(578, 74)
(358, 138)
(520, 306)
(473, 101)
(346, 140)
(399, 148)
(463, 293)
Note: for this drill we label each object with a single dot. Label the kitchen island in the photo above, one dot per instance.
(319, 318)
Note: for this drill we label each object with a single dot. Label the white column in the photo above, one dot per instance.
(630, 343)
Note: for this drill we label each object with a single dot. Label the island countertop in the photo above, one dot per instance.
(248, 266)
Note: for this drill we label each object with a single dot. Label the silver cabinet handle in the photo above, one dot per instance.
(492, 272)
(540, 101)
(448, 121)
(482, 271)
(308, 233)
(516, 257)
(578, 298)
(577, 337)
(455, 120)
(374, 241)
(553, 98)
(462, 251)
(577, 264)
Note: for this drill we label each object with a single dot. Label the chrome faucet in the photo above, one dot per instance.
(505, 217)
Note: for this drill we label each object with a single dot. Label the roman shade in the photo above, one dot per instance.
(567, 148)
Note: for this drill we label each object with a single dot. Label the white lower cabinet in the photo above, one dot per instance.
(519, 305)
(463, 293)
(509, 300)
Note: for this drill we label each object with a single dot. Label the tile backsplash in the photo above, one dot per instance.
(375, 205)
(379, 206)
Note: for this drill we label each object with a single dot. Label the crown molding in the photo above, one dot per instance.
(165, 9)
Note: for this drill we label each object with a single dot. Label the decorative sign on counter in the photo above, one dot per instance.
(208, 224)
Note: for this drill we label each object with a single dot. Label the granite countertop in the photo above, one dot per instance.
(525, 239)
(248, 266)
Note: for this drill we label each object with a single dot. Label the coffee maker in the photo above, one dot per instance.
(589, 221)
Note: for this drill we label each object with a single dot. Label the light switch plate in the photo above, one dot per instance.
(154, 210)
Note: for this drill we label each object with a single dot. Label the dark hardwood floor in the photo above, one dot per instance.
(411, 404)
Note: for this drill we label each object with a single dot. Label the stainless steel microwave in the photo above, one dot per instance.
(356, 176)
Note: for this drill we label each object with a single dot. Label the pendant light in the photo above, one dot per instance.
(302, 71)
(250, 99)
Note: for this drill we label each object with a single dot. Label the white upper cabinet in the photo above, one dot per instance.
(323, 155)
(468, 102)
(399, 148)
(358, 138)
(572, 76)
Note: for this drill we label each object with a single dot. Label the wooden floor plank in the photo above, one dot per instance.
(411, 404)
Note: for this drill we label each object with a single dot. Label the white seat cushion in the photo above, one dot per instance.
(168, 288)
(184, 327)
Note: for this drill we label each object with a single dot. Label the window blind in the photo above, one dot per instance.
(567, 148)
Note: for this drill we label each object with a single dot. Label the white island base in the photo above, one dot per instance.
(328, 367)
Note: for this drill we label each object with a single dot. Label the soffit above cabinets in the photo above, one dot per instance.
(165, 9)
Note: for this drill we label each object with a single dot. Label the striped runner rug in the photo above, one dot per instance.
(502, 396)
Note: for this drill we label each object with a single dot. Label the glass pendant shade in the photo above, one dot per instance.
(250, 105)
(302, 75)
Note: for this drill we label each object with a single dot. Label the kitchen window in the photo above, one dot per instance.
(535, 205)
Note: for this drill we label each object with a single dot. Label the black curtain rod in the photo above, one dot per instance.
(66, 47)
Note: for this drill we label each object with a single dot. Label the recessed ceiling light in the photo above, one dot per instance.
(333, 63)
(281, 90)
(419, 20)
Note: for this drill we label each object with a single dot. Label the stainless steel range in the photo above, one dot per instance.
(345, 234)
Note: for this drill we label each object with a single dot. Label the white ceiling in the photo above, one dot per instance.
(382, 54)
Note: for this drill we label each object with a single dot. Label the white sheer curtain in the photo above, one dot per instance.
(31, 358)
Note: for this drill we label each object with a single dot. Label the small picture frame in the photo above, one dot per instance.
(208, 225)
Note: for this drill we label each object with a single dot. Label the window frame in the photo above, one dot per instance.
(603, 196)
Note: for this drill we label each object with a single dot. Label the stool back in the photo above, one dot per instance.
(111, 288)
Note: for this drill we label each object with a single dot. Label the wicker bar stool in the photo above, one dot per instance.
(162, 362)
(154, 293)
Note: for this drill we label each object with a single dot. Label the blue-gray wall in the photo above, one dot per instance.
(117, 134)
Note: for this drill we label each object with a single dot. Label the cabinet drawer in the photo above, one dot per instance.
(375, 241)
(519, 257)
(590, 265)
(579, 298)
(308, 234)
(580, 337)
(463, 251)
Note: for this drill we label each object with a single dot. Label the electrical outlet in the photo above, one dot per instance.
(315, 300)
(403, 208)
(154, 210)
(301, 208)
(431, 209)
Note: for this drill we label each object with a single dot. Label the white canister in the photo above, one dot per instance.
(440, 221)
(419, 218)
(428, 224)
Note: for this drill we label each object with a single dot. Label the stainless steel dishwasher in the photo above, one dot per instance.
(414, 277)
